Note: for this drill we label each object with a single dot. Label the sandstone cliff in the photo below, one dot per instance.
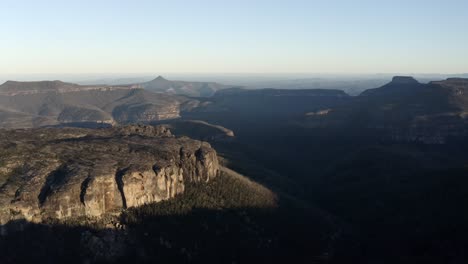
(66, 173)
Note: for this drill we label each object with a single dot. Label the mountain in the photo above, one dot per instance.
(195, 89)
(446, 95)
(404, 110)
(399, 86)
(412, 111)
(34, 104)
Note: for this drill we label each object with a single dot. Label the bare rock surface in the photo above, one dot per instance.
(51, 173)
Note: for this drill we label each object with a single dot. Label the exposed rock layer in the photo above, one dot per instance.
(58, 174)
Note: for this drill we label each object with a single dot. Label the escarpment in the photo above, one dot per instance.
(55, 103)
(53, 173)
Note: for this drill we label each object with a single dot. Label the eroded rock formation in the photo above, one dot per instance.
(64, 173)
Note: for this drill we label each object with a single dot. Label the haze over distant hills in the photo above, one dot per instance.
(33, 104)
(352, 84)
(198, 89)
(159, 84)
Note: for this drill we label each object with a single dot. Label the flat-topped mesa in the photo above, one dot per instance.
(59, 174)
(404, 80)
(399, 86)
(13, 88)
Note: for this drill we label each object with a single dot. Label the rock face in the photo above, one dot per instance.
(63, 173)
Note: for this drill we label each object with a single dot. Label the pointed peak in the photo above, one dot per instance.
(404, 80)
(160, 78)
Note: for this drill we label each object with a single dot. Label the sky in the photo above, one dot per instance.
(201, 36)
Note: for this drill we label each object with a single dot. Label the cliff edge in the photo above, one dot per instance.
(51, 173)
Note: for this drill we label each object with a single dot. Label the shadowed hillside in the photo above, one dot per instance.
(197, 89)
(34, 104)
(389, 163)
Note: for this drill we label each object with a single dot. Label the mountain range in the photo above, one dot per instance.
(46, 103)
(195, 89)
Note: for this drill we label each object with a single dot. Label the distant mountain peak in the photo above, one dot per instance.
(404, 80)
(160, 78)
(398, 86)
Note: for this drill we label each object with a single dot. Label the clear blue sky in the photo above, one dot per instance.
(238, 36)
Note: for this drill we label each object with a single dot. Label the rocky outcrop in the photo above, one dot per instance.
(201, 130)
(68, 173)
